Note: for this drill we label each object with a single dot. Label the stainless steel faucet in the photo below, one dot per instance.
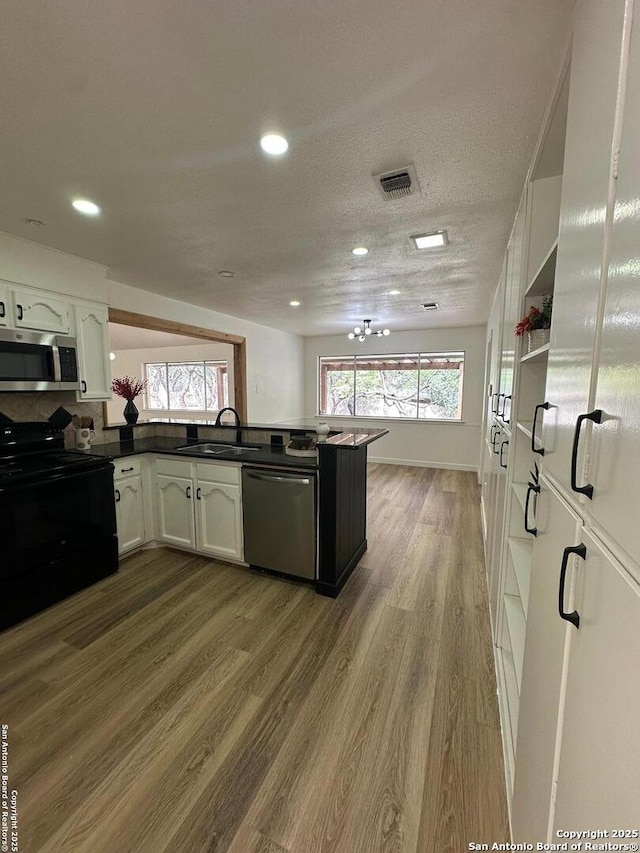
(238, 424)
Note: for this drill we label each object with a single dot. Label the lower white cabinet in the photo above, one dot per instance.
(131, 509)
(199, 506)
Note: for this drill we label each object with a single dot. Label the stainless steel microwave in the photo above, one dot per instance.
(37, 361)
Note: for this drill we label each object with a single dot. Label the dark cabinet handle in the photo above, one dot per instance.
(494, 403)
(506, 419)
(198, 493)
(495, 439)
(535, 449)
(3, 312)
(20, 312)
(117, 496)
(83, 385)
(531, 487)
(492, 434)
(581, 551)
(188, 492)
(124, 470)
(502, 446)
(596, 417)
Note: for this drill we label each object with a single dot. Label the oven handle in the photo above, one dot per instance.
(41, 481)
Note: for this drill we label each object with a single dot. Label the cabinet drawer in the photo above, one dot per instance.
(218, 472)
(172, 467)
(130, 466)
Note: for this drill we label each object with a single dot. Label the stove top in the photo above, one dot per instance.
(35, 451)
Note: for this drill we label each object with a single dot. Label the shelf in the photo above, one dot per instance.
(520, 490)
(525, 428)
(540, 354)
(521, 551)
(517, 626)
(542, 282)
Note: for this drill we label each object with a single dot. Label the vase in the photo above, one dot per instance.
(131, 412)
(538, 338)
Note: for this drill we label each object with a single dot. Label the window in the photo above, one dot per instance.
(411, 385)
(187, 386)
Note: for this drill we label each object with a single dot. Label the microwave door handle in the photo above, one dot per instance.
(57, 371)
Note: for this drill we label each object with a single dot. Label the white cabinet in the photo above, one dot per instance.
(586, 197)
(219, 519)
(599, 770)
(5, 304)
(131, 512)
(615, 444)
(199, 506)
(41, 311)
(94, 369)
(542, 674)
(175, 522)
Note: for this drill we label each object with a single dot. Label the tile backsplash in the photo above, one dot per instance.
(39, 405)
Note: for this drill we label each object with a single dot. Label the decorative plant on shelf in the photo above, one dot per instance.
(129, 388)
(536, 320)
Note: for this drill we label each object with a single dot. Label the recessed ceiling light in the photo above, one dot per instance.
(112, 356)
(274, 143)
(294, 303)
(359, 251)
(393, 293)
(83, 205)
(430, 241)
(35, 223)
(226, 273)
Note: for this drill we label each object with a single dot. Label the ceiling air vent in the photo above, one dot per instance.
(398, 184)
(430, 306)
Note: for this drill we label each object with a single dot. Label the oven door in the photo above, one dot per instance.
(46, 520)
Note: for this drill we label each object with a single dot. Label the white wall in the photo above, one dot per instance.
(440, 445)
(274, 358)
(130, 362)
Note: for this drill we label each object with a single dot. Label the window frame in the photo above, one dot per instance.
(221, 362)
(399, 419)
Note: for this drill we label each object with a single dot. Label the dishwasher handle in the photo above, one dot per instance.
(274, 478)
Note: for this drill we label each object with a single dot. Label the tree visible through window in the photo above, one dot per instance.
(187, 386)
(412, 385)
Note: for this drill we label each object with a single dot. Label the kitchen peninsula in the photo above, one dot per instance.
(178, 448)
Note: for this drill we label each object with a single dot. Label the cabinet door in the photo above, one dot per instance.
(595, 62)
(4, 304)
(547, 635)
(93, 353)
(129, 513)
(615, 445)
(39, 311)
(174, 507)
(219, 513)
(599, 770)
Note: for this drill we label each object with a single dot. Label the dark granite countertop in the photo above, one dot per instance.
(265, 455)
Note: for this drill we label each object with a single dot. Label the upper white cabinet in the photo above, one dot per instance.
(92, 333)
(41, 311)
(586, 198)
(4, 304)
(615, 448)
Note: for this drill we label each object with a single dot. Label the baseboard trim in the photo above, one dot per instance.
(419, 463)
(331, 590)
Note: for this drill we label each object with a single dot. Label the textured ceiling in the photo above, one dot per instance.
(154, 111)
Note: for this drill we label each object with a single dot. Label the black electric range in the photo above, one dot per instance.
(57, 520)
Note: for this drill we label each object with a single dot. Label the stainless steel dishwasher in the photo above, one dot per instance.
(279, 510)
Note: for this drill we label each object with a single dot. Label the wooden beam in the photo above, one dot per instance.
(240, 379)
(157, 324)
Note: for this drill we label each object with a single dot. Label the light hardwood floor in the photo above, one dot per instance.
(186, 705)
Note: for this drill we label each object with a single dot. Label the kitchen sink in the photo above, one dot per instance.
(215, 449)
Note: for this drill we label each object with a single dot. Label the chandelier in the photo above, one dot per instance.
(363, 332)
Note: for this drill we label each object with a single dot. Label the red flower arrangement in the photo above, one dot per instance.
(536, 318)
(128, 387)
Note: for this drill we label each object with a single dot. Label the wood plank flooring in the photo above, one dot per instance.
(188, 705)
